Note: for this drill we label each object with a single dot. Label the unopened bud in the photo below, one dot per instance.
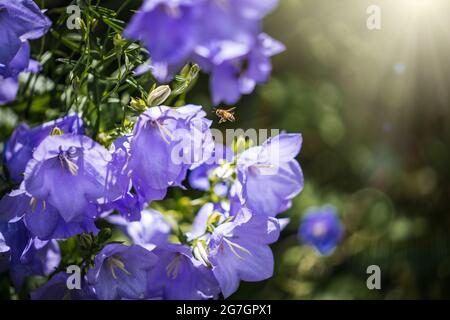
(104, 235)
(86, 241)
(158, 95)
(118, 40)
(193, 73)
(214, 218)
(80, 22)
(138, 105)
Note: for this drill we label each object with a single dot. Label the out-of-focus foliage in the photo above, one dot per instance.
(373, 107)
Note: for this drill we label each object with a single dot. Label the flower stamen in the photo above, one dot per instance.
(233, 246)
(116, 263)
(173, 267)
(165, 133)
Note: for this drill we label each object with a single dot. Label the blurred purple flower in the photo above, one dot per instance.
(178, 276)
(9, 74)
(27, 256)
(322, 229)
(179, 139)
(20, 20)
(269, 177)
(221, 36)
(173, 32)
(121, 272)
(240, 75)
(20, 146)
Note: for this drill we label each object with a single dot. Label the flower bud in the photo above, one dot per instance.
(138, 105)
(158, 95)
(193, 73)
(85, 241)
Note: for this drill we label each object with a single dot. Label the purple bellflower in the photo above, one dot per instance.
(322, 229)
(179, 276)
(173, 34)
(240, 75)
(121, 272)
(20, 20)
(239, 250)
(24, 140)
(269, 176)
(119, 186)
(27, 256)
(221, 36)
(9, 74)
(166, 143)
(68, 172)
(42, 219)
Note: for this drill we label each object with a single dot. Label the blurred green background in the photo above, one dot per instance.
(373, 108)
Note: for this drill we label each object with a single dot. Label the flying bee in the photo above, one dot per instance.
(226, 115)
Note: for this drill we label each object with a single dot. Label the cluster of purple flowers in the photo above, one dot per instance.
(224, 37)
(66, 181)
(20, 21)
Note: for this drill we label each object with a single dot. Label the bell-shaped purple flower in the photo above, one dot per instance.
(27, 256)
(20, 146)
(179, 276)
(173, 32)
(223, 37)
(229, 30)
(239, 250)
(152, 230)
(240, 74)
(42, 219)
(322, 229)
(20, 20)
(166, 143)
(121, 272)
(68, 172)
(269, 177)
(9, 74)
